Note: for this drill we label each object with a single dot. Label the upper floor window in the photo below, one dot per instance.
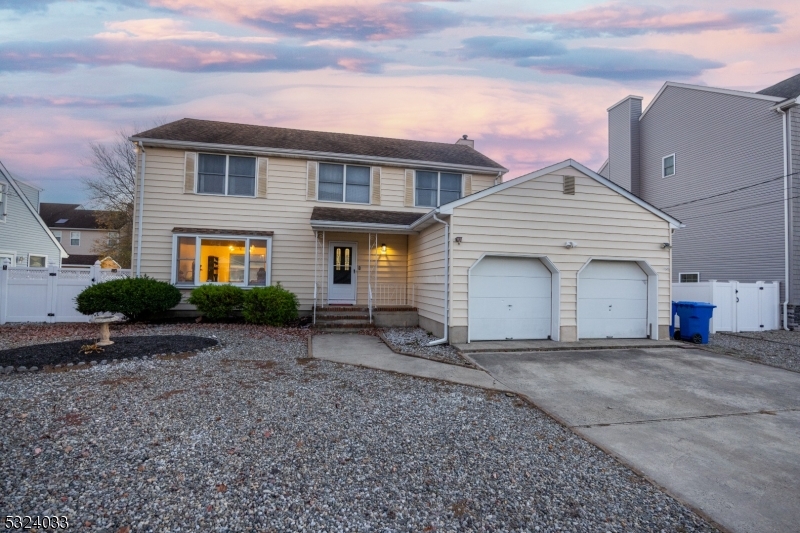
(75, 238)
(433, 189)
(57, 235)
(113, 238)
(343, 183)
(227, 175)
(668, 166)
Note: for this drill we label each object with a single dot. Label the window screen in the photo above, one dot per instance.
(450, 188)
(357, 185)
(426, 188)
(211, 174)
(242, 176)
(331, 182)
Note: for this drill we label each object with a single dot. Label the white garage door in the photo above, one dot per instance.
(509, 298)
(612, 301)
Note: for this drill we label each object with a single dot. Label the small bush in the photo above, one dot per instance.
(135, 298)
(217, 302)
(273, 306)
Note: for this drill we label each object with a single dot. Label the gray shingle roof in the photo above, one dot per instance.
(788, 88)
(211, 132)
(364, 216)
(75, 217)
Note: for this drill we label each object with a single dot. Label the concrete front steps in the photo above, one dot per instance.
(342, 319)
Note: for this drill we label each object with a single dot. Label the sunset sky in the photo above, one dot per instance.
(529, 81)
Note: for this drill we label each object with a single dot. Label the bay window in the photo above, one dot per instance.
(237, 260)
(226, 175)
(344, 183)
(433, 189)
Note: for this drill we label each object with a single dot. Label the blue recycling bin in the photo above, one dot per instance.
(695, 321)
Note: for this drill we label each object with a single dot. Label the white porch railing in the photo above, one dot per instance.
(394, 294)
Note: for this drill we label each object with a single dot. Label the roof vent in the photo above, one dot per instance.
(569, 184)
(466, 140)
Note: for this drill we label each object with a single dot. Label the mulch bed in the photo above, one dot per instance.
(41, 355)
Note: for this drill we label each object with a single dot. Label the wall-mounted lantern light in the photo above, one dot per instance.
(458, 240)
(383, 248)
(570, 245)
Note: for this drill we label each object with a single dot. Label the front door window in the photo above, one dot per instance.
(342, 267)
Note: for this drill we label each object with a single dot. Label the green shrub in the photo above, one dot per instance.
(217, 302)
(135, 298)
(273, 306)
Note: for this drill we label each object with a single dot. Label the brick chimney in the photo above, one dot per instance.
(465, 140)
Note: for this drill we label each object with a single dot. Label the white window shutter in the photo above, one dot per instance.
(467, 184)
(376, 185)
(409, 196)
(189, 171)
(311, 181)
(263, 167)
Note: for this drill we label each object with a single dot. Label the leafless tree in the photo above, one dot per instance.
(112, 188)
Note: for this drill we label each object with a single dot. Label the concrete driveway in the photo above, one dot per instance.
(721, 434)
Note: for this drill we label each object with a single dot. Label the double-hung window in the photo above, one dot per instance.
(237, 260)
(226, 175)
(668, 166)
(344, 183)
(433, 189)
(75, 238)
(112, 238)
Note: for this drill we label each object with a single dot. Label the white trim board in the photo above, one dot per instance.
(13, 183)
(730, 92)
(447, 209)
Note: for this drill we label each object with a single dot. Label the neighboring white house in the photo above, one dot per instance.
(25, 240)
(339, 219)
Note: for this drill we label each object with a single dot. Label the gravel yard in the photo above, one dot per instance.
(253, 436)
(415, 341)
(779, 348)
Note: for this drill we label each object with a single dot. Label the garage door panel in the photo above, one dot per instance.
(623, 329)
(490, 286)
(520, 308)
(509, 298)
(612, 300)
(616, 309)
(622, 289)
(490, 329)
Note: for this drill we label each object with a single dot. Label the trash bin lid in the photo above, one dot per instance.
(695, 304)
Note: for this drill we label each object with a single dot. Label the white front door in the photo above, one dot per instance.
(510, 298)
(612, 301)
(342, 270)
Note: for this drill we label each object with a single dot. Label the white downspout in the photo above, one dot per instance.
(443, 340)
(141, 211)
(786, 226)
(497, 178)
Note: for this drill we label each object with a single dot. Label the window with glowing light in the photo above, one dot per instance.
(237, 260)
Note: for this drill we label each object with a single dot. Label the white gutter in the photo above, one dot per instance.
(443, 340)
(786, 225)
(312, 154)
(141, 211)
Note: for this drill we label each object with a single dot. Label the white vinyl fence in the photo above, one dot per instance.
(740, 306)
(47, 294)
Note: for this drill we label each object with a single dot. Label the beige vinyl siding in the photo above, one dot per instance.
(482, 181)
(285, 211)
(537, 218)
(426, 271)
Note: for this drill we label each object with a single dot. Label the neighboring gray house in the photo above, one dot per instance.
(24, 237)
(727, 164)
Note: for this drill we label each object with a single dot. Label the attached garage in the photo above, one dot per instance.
(510, 298)
(612, 300)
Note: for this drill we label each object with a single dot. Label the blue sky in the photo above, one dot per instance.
(530, 82)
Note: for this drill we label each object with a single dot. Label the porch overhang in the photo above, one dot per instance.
(367, 220)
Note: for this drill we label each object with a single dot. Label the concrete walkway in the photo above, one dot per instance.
(718, 432)
(554, 346)
(371, 352)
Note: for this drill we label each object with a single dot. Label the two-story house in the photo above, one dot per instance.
(351, 220)
(81, 232)
(25, 240)
(726, 164)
